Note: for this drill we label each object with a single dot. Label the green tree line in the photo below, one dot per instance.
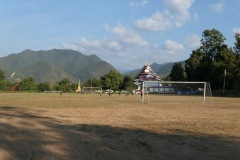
(212, 62)
(112, 80)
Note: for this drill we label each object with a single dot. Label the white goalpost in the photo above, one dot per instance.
(175, 88)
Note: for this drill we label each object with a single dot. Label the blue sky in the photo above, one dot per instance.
(125, 33)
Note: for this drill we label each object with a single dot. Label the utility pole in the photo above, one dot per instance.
(91, 84)
(224, 80)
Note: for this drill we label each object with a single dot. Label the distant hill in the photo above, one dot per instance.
(54, 65)
(162, 70)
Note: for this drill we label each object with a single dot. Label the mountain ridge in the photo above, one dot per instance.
(54, 65)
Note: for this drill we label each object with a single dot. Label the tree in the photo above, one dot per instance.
(211, 43)
(237, 43)
(236, 73)
(93, 82)
(236, 64)
(192, 65)
(177, 72)
(5, 85)
(64, 85)
(45, 86)
(65, 82)
(2, 76)
(28, 84)
(208, 62)
(73, 87)
(111, 80)
(128, 83)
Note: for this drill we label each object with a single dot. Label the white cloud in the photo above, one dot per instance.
(127, 49)
(85, 42)
(175, 15)
(86, 46)
(178, 6)
(218, 7)
(135, 4)
(166, 52)
(127, 36)
(111, 44)
(76, 47)
(170, 50)
(157, 22)
(171, 47)
(193, 41)
(236, 30)
(127, 56)
(179, 10)
(123, 46)
(111, 51)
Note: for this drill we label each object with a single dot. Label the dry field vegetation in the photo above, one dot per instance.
(37, 126)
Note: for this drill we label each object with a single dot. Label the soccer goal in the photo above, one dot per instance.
(175, 88)
(96, 90)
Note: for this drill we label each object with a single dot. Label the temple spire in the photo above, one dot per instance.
(78, 90)
(146, 63)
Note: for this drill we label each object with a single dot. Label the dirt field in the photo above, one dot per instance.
(50, 126)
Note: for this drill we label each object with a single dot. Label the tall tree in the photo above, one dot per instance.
(209, 61)
(177, 72)
(211, 43)
(128, 83)
(236, 65)
(111, 80)
(237, 43)
(192, 66)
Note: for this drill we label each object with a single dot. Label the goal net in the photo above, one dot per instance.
(191, 90)
(96, 90)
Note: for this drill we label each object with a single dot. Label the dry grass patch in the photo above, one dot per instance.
(118, 127)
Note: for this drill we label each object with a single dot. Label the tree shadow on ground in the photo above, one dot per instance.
(27, 136)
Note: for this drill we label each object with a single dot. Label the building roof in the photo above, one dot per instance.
(146, 74)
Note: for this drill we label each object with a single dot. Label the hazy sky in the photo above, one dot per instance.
(124, 33)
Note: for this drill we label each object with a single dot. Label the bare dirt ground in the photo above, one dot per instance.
(50, 126)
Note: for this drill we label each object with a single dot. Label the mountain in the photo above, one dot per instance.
(54, 65)
(162, 70)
